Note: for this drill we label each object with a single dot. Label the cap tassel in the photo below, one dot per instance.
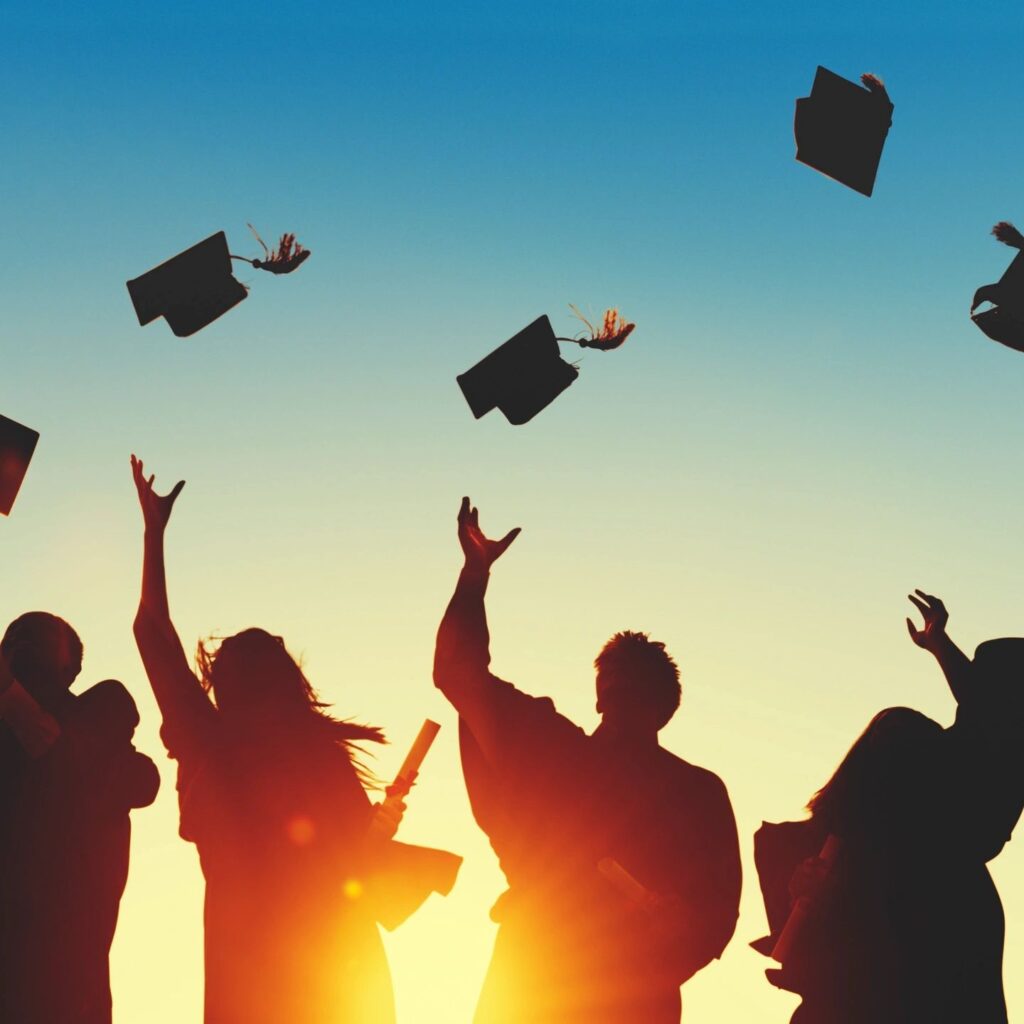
(1006, 233)
(611, 334)
(288, 255)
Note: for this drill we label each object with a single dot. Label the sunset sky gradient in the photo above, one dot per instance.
(803, 427)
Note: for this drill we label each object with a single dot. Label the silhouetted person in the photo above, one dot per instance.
(987, 745)
(292, 850)
(69, 777)
(899, 927)
(557, 803)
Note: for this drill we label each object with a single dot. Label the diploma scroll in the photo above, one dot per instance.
(802, 907)
(634, 891)
(414, 759)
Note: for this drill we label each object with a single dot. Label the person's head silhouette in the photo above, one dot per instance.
(638, 687)
(44, 654)
(884, 785)
(260, 689)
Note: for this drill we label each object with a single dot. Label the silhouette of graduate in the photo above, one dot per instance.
(902, 923)
(987, 752)
(621, 859)
(299, 865)
(69, 776)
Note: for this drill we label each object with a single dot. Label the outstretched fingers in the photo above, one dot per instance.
(935, 602)
(505, 541)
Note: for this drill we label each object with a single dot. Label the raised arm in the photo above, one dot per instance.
(955, 665)
(35, 729)
(462, 655)
(183, 703)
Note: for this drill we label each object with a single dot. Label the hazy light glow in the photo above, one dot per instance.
(803, 426)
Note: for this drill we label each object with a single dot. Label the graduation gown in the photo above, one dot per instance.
(65, 835)
(554, 803)
(294, 884)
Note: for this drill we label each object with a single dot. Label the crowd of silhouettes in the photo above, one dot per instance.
(880, 904)
(622, 860)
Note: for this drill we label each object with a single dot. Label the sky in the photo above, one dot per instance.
(803, 427)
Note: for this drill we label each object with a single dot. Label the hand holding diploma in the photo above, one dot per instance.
(388, 814)
(808, 882)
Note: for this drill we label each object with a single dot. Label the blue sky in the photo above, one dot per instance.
(804, 425)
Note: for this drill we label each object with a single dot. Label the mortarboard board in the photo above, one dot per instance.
(17, 443)
(521, 377)
(191, 289)
(841, 127)
(1005, 321)
(527, 373)
(195, 287)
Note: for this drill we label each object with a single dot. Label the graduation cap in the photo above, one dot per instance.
(840, 128)
(1004, 322)
(528, 372)
(194, 288)
(17, 443)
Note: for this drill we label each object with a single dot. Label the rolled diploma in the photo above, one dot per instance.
(802, 908)
(626, 884)
(411, 765)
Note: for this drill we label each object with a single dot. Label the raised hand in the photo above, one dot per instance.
(935, 619)
(387, 816)
(808, 879)
(156, 508)
(480, 552)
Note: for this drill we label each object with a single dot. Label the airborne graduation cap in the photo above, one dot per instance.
(528, 372)
(17, 443)
(840, 128)
(1004, 322)
(195, 287)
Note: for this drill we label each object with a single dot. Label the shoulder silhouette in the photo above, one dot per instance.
(621, 859)
(69, 778)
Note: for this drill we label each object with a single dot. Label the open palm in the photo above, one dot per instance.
(935, 618)
(156, 508)
(480, 552)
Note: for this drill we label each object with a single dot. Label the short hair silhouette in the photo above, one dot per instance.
(638, 671)
(43, 651)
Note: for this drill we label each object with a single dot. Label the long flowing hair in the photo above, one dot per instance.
(882, 784)
(259, 664)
